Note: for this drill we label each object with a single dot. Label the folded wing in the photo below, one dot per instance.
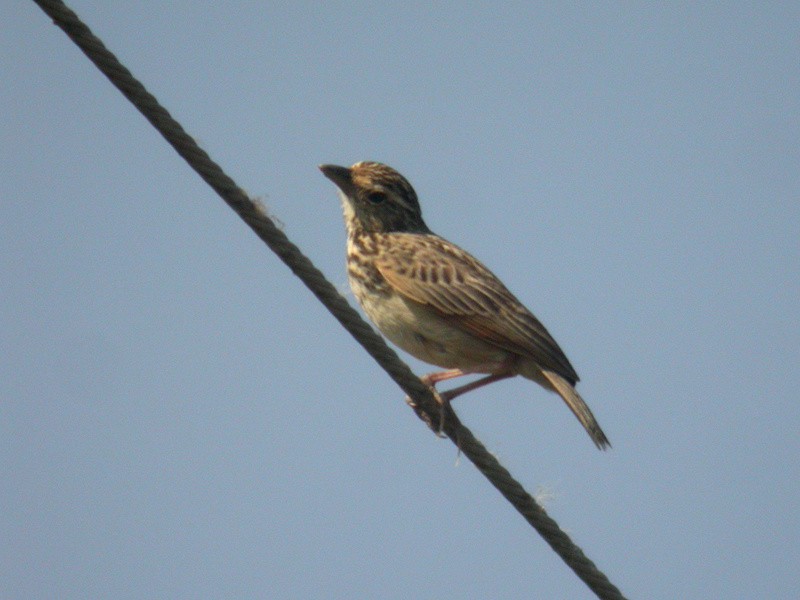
(456, 285)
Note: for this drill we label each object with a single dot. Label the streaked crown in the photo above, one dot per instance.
(376, 198)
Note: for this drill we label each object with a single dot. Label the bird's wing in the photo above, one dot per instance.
(432, 271)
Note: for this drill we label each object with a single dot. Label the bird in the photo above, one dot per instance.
(436, 301)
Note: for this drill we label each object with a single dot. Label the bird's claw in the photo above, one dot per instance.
(437, 428)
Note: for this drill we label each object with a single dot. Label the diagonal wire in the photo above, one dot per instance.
(421, 398)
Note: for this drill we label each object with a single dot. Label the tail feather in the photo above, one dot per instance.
(578, 407)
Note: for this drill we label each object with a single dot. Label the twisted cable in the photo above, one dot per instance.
(421, 398)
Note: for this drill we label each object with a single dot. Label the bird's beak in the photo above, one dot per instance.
(341, 176)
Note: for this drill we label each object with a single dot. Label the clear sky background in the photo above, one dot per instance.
(180, 418)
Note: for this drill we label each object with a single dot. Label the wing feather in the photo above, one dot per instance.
(444, 277)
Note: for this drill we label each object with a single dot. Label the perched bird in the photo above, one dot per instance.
(436, 301)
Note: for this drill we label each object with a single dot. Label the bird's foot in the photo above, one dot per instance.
(437, 428)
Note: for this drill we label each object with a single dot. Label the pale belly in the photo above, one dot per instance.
(426, 336)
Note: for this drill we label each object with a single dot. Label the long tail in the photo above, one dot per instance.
(578, 407)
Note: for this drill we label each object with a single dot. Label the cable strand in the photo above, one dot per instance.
(424, 401)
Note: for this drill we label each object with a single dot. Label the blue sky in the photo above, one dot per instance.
(180, 418)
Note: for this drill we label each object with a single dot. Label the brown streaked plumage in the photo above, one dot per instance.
(436, 301)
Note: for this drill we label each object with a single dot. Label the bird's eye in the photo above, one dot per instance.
(376, 197)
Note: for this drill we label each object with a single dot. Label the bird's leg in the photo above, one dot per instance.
(501, 371)
(497, 371)
(431, 379)
(455, 392)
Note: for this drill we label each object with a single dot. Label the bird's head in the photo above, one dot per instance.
(376, 198)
